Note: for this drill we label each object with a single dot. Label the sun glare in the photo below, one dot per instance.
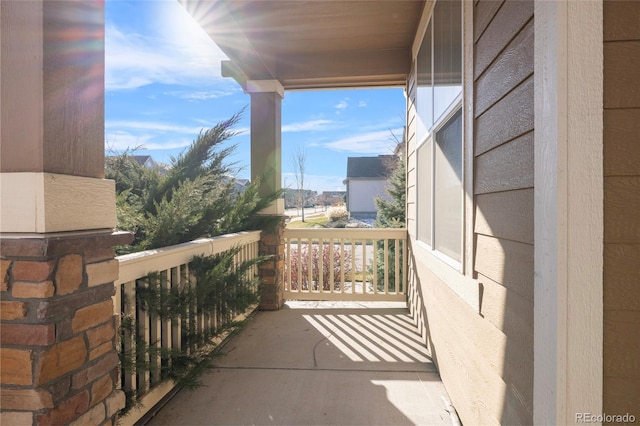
(183, 29)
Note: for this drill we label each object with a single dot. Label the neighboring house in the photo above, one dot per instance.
(366, 180)
(145, 161)
(148, 162)
(240, 185)
(522, 186)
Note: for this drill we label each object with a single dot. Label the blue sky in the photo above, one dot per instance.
(163, 86)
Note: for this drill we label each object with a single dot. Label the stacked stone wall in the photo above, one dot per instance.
(57, 330)
(272, 271)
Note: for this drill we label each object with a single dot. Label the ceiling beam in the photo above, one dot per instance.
(372, 66)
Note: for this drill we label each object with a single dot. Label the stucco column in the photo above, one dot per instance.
(57, 266)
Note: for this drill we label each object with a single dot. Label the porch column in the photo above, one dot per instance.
(266, 164)
(57, 266)
(266, 138)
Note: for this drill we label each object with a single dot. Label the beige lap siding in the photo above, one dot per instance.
(621, 206)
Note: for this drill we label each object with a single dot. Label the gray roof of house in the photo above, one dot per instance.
(371, 167)
(140, 159)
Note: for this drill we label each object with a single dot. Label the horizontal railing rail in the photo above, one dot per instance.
(345, 264)
(167, 334)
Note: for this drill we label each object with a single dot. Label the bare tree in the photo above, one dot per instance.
(299, 159)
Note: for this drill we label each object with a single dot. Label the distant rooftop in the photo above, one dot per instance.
(142, 159)
(371, 167)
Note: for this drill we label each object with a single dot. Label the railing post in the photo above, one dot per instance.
(271, 272)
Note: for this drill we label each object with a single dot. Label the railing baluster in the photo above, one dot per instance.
(321, 265)
(254, 254)
(155, 343)
(374, 263)
(287, 253)
(167, 329)
(331, 266)
(176, 323)
(310, 262)
(342, 260)
(191, 311)
(364, 266)
(142, 353)
(386, 265)
(300, 269)
(405, 267)
(353, 266)
(396, 255)
(129, 336)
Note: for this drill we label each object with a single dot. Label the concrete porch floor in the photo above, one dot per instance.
(318, 363)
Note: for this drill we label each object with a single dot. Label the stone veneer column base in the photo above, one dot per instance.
(272, 271)
(57, 329)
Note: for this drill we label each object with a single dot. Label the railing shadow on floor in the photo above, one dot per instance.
(319, 363)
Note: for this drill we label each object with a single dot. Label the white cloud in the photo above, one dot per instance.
(362, 104)
(120, 141)
(307, 126)
(189, 57)
(167, 145)
(201, 95)
(152, 135)
(343, 104)
(153, 126)
(373, 143)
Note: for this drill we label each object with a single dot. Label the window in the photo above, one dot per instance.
(440, 150)
(424, 97)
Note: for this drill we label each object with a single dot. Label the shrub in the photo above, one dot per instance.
(193, 198)
(300, 272)
(337, 213)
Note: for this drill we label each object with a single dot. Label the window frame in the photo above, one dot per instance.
(458, 104)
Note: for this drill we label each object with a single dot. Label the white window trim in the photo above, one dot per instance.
(468, 205)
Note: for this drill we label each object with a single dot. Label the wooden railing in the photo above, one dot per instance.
(172, 263)
(345, 264)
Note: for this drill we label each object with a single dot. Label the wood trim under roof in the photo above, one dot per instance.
(311, 44)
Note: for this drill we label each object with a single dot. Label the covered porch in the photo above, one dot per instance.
(318, 363)
(57, 273)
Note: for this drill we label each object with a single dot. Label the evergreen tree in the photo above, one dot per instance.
(391, 214)
(195, 197)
